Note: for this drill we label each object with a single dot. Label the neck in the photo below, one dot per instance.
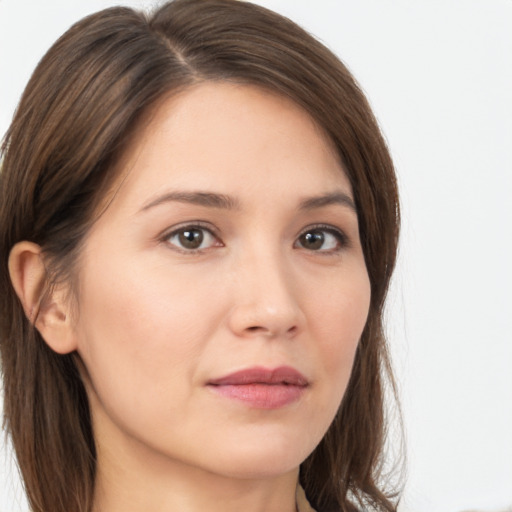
(133, 480)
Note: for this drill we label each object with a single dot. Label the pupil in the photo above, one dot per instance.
(191, 238)
(313, 240)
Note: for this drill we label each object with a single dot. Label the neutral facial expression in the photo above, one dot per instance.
(223, 292)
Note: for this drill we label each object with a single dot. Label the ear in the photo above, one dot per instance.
(49, 312)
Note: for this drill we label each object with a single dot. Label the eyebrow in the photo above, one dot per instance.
(208, 199)
(323, 200)
(225, 202)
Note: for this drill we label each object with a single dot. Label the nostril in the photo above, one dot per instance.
(255, 328)
(266, 330)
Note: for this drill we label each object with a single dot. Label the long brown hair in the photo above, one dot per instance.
(85, 99)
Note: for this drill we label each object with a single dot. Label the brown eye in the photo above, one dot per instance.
(312, 240)
(322, 240)
(192, 238)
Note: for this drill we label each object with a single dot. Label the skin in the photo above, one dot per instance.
(157, 321)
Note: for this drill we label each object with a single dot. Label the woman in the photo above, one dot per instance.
(193, 277)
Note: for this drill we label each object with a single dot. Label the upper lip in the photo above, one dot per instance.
(260, 375)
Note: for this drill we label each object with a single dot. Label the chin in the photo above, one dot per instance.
(265, 459)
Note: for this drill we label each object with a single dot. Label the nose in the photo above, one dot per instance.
(266, 299)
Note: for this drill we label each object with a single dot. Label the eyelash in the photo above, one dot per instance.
(196, 226)
(341, 238)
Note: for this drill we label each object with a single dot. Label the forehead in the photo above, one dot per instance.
(231, 138)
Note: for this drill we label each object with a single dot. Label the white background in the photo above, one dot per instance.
(439, 76)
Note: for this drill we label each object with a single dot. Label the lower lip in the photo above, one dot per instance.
(261, 396)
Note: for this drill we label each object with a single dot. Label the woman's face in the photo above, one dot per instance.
(223, 291)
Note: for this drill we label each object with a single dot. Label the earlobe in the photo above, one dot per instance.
(47, 310)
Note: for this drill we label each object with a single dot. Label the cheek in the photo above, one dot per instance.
(142, 297)
(339, 319)
(139, 330)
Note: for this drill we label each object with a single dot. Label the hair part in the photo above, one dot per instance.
(85, 101)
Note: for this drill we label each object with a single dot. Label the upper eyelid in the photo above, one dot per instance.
(190, 224)
(324, 227)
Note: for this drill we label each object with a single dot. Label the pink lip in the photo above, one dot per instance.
(262, 388)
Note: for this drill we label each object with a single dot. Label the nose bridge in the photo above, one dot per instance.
(266, 302)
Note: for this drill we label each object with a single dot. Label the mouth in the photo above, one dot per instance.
(262, 388)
